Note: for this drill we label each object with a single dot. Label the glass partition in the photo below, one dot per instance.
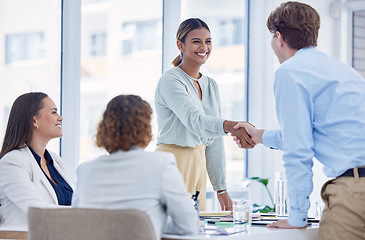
(121, 53)
(227, 65)
(30, 40)
(358, 51)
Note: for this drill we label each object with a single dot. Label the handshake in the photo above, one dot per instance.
(244, 134)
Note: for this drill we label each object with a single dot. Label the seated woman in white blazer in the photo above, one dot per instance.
(31, 176)
(131, 178)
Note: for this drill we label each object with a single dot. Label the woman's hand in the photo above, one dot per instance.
(224, 200)
(254, 133)
(239, 133)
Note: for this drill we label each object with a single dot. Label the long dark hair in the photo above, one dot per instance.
(185, 27)
(19, 130)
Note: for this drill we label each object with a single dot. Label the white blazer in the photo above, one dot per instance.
(136, 179)
(23, 185)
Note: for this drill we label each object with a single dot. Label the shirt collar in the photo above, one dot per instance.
(304, 49)
(202, 76)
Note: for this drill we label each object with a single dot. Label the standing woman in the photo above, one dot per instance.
(31, 176)
(189, 115)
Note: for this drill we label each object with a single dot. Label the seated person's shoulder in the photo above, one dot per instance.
(16, 159)
(17, 154)
(162, 156)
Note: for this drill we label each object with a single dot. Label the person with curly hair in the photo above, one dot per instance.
(130, 177)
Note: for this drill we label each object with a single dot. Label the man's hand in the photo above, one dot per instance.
(254, 133)
(225, 201)
(284, 224)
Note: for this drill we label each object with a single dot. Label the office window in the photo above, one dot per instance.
(131, 64)
(30, 40)
(92, 1)
(98, 44)
(358, 60)
(141, 36)
(24, 46)
(231, 31)
(227, 23)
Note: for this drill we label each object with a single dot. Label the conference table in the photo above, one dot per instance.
(13, 234)
(254, 233)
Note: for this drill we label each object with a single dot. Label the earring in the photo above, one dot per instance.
(36, 127)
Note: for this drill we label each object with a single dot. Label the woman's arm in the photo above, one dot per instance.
(216, 167)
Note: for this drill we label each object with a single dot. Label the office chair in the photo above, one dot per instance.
(89, 224)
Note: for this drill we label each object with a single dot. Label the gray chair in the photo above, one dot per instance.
(88, 224)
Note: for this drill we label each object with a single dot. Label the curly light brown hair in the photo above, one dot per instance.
(126, 123)
(298, 23)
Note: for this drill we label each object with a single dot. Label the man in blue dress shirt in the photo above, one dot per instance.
(320, 105)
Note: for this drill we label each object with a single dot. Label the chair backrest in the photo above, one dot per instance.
(89, 224)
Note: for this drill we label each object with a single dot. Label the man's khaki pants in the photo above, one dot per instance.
(191, 163)
(343, 217)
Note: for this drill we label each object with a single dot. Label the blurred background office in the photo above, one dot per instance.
(82, 53)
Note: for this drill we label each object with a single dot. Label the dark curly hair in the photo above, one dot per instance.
(298, 23)
(126, 123)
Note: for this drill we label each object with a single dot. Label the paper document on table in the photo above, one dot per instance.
(214, 213)
(211, 230)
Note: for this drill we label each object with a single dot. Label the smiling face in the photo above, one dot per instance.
(197, 46)
(48, 121)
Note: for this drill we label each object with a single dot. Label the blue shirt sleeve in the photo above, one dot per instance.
(272, 139)
(295, 114)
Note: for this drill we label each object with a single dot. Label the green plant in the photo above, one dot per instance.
(265, 209)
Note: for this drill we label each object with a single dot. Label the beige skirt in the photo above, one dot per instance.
(191, 163)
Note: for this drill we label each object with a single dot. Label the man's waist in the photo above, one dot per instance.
(353, 171)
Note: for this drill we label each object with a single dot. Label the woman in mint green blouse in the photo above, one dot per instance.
(189, 115)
